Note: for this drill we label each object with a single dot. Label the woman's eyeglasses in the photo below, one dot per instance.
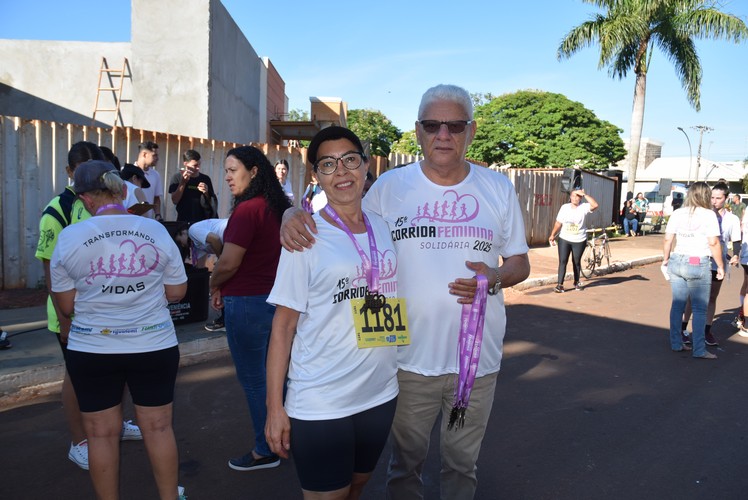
(454, 126)
(329, 164)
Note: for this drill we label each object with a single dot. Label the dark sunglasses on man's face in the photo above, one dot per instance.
(454, 126)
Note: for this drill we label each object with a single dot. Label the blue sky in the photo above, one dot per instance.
(383, 55)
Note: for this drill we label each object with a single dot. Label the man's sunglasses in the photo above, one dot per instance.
(454, 126)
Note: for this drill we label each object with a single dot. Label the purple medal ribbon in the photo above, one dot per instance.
(371, 265)
(110, 206)
(471, 338)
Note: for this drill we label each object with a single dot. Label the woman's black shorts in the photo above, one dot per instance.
(328, 452)
(99, 379)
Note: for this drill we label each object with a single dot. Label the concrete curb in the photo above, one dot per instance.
(20, 387)
(17, 388)
(613, 268)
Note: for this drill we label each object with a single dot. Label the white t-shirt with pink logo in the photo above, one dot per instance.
(329, 376)
(436, 229)
(118, 265)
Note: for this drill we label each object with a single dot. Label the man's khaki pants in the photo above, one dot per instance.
(420, 400)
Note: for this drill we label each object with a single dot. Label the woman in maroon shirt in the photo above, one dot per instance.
(242, 279)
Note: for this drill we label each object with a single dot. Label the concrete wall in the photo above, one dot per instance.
(171, 66)
(193, 74)
(277, 103)
(57, 81)
(235, 80)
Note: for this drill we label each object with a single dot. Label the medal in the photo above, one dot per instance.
(469, 346)
(374, 302)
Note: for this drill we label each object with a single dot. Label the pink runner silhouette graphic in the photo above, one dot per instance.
(132, 262)
(454, 208)
(387, 269)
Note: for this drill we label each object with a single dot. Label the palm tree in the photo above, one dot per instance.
(629, 30)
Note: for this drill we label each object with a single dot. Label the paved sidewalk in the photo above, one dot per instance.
(33, 367)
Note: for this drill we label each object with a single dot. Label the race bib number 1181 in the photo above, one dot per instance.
(388, 327)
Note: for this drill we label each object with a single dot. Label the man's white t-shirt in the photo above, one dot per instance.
(156, 188)
(436, 229)
(573, 222)
(730, 229)
(329, 376)
(692, 226)
(118, 266)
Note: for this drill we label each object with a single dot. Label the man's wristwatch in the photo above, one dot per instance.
(497, 286)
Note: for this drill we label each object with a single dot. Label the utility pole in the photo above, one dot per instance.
(690, 155)
(701, 129)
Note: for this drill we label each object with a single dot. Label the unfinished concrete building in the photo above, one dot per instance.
(205, 82)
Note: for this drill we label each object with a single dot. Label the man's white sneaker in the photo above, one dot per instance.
(78, 454)
(130, 431)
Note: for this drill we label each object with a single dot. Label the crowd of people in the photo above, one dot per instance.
(112, 273)
(299, 291)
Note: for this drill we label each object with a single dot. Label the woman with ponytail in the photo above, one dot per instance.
(114, 275)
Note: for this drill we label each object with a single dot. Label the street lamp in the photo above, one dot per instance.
(690, 153)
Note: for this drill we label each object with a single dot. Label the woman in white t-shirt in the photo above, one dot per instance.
(281, 171)
(342, 387)
(695, 230)
(117, 272)
(571, 229)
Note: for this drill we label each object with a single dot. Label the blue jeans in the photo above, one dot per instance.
(248, 321)
(632, 223)
(692, 280)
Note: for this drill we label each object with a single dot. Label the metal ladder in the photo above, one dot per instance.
(112, 75)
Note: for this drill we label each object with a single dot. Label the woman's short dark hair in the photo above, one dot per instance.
(332, 133)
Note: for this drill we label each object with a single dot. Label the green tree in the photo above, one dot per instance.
(298, 115)
(407, 144)
(627, 32)
(537, 129)
(744, 183)
(373, 127)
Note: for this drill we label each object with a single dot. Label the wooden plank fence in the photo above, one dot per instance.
(33, 156)
(541, 196)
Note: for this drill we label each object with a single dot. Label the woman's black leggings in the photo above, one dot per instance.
(564, 249)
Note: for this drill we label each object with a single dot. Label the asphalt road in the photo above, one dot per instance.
(590, 404)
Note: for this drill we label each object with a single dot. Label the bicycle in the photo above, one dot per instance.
(597, 249)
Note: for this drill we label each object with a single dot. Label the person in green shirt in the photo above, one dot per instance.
(737, 207)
